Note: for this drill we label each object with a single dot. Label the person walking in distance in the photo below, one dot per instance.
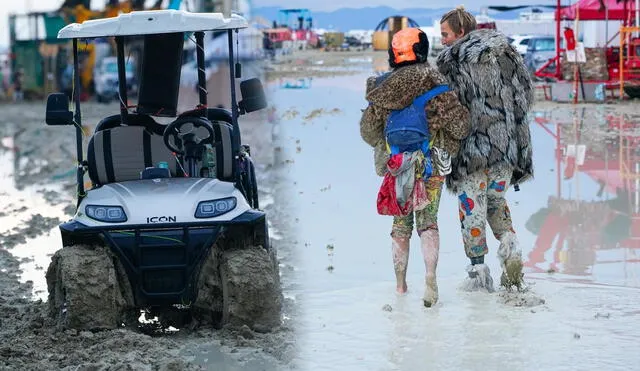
(18, 80)
(493, 83)
(412, 119)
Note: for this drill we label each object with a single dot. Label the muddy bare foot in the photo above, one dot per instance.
(402, 289)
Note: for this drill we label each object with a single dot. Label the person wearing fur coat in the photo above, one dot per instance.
(493, 83)
(411, 76)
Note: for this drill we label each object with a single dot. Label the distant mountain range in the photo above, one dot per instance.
(368, 18)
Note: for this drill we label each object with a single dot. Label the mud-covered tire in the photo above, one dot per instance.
(86, 289)
(207, 309)
(251, 289)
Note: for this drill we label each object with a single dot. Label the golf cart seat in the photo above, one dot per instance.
(119, 153)
(223, 128)
(122, 152)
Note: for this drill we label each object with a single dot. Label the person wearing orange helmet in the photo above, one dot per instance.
(413, 94)
(492, 81)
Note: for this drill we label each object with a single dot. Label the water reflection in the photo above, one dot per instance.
(40, 157)
(592, 221)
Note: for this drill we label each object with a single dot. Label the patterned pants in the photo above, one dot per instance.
(481, 200)
(426, 218)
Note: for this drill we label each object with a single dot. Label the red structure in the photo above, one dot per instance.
(294, 20)
(590, 10)
(575, 229)
(279, 35)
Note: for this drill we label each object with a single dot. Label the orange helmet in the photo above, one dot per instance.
(408, 45)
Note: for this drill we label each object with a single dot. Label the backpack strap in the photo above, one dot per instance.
(424, 98)
(419, 102)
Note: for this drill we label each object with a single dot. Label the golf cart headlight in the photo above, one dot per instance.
(107, 214)
(213, 208)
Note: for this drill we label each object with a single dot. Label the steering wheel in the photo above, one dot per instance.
(173, 130)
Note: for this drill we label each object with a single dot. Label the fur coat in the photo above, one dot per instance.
(493, 83)
(398, 90)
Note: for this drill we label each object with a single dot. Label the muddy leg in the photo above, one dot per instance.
(499, 218)
(400, 250)
(427, 225)
(430, 244)
(400, 236)
(472, 200)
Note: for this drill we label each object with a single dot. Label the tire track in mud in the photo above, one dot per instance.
(28, 338)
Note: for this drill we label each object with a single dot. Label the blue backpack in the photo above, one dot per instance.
(407, 129)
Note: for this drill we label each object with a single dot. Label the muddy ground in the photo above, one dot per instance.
(38, 186)
(579, 310)
(305, 64)
(339, 308)
(297, 70)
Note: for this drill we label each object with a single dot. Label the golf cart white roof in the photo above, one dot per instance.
(152, 22)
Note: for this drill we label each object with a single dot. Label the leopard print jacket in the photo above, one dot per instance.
(444, 112)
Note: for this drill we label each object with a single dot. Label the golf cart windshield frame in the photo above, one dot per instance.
(122, 87)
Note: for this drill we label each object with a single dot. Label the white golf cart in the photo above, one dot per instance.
(171, 224)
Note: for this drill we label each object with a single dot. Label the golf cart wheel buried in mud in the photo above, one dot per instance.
(241, 286)
(85, 289)
(250, 288)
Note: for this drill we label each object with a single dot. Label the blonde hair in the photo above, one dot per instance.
(460, 20)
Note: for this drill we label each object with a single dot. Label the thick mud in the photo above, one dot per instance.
(85, 292)
(37, 168)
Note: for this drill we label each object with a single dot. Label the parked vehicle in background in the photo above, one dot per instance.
(520, 42)
(539, 50)
(106, 79)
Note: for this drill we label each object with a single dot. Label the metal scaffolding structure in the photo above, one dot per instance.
(629, 58)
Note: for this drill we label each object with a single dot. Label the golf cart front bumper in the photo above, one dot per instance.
(163, 261)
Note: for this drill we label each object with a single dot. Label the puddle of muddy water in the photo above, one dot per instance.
(349, 290)
(30, 224)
